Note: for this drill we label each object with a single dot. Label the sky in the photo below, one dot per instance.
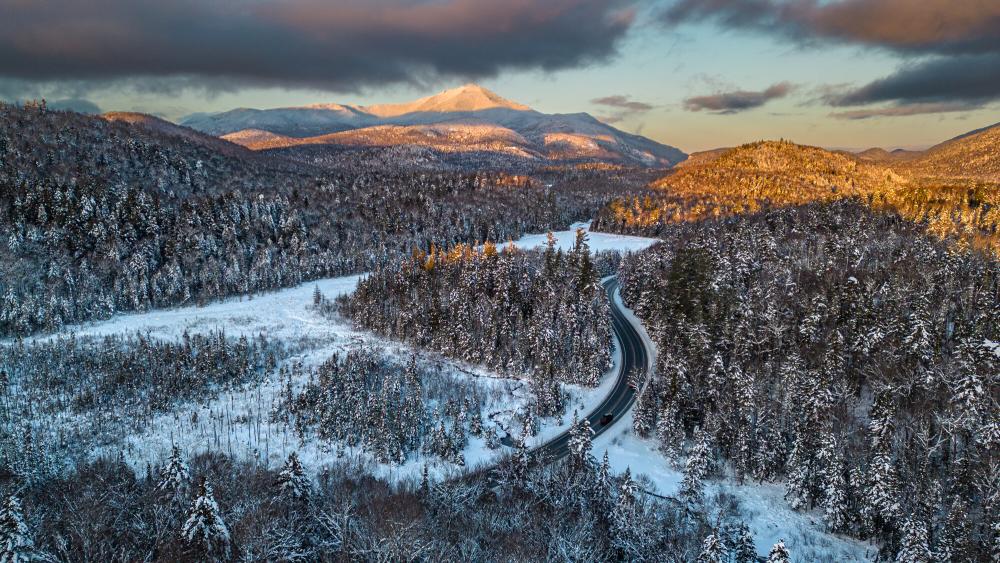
(695, 74)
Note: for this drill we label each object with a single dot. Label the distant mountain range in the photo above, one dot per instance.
(468, 119)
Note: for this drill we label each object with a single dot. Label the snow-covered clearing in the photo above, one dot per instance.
(238, 422)
(598, 242)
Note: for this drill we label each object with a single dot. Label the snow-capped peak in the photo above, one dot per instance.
(470, 97)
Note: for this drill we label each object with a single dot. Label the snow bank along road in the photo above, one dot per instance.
(635, 356)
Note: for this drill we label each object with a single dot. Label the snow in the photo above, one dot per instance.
(764, 508)
(597, 241)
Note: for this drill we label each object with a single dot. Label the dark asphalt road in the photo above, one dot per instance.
(618, 402)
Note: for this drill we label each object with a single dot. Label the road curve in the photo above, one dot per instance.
(620, 399)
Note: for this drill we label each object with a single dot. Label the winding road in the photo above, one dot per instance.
(622, 396)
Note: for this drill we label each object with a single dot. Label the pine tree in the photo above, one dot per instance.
(174, 477)
(669, 434)
(745, 550)
(293, 481)
(425, 482)
(779, 553)
(712, 550)
(16, 545)
(913, 548)
(624, 536)
(204, 530)
(834, 486)
(692, 490)
(954, 544)
(580, 444)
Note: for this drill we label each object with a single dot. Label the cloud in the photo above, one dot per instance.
(338, 45)
(622, 102)
(905, 26)
(906, 110)
(964, 78)
(725, 103)
(951, 48)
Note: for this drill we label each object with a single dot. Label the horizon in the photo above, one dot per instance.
(694, 75)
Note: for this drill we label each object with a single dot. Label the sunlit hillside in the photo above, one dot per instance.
(774, 174)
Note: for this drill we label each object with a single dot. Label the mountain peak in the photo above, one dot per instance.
(468, 97)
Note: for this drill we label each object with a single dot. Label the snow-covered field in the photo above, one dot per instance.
(238, 423)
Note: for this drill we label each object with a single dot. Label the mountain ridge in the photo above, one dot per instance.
(539, 138)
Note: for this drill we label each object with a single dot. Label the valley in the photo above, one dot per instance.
(383, 329)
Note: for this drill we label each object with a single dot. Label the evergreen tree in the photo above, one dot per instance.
(174, 476)
(913, 548)
(669, 433)
(624, 518)
(835, 507)
(779, 553)
(293, 481)
(692, 490)
(204, 531)
(712, 550)
(16, 545)
(580, 445)
(745, 550)
(955, 541)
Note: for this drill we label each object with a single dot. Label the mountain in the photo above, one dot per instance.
(973, 156)
(163, 127)
(464, 120)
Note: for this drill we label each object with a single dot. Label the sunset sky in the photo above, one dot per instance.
(693, 74)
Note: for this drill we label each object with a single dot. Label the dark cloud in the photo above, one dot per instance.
(961, 37)
(737, 101)
(339, 45)
(906, 110)
(907, 26)
(622, 102)
(965, 78)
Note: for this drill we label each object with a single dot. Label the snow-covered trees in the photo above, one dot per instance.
(543, 315)
(174, 476)
(99, 216)
(692, 490)
(293, 481)
(625, 518)
(362, 398)
(16, 544)
(835, 349)
(779, 553)
(914, 548)
(580, 444)
(745, 551)
(713, 550)
(204, 529)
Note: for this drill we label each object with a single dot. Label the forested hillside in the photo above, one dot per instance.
(774, 174)
(518, 313)
(840, 351)
(98, 217)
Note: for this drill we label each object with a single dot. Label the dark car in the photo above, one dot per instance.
(607, 418)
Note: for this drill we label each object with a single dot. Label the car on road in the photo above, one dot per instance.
(607, 418)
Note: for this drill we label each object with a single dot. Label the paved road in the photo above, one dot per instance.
(620, 400)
